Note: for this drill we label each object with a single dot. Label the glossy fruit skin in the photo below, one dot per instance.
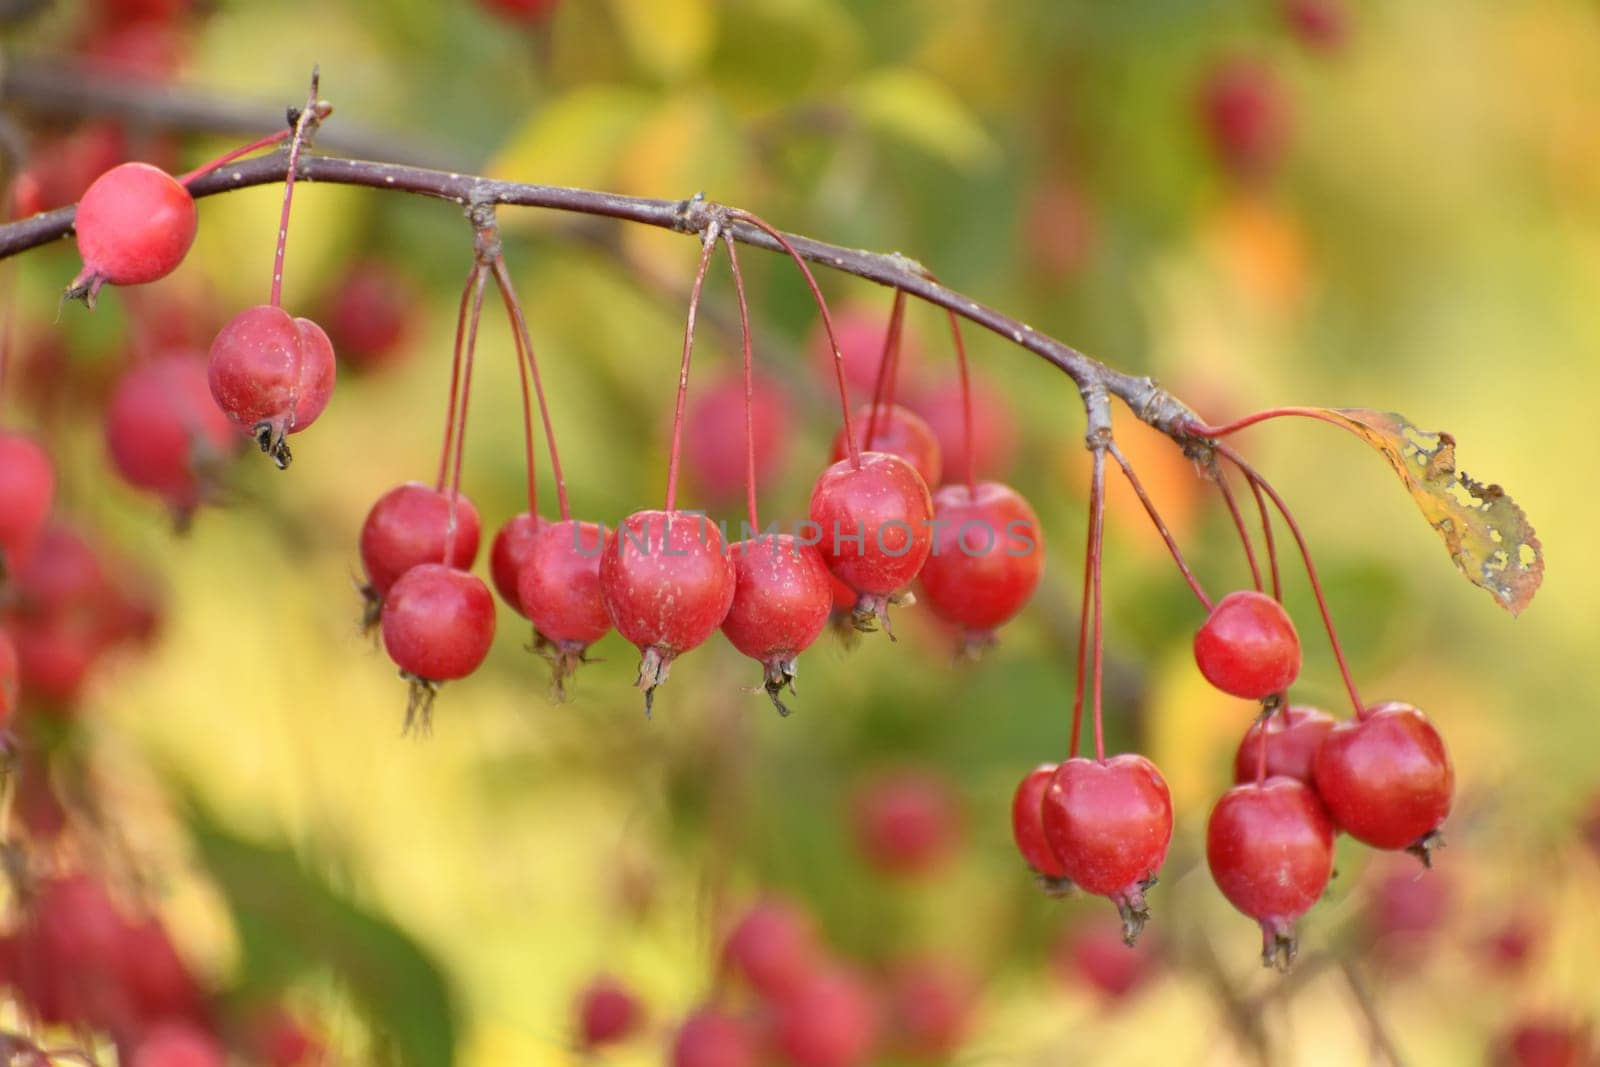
(708, 1038)
(371, 315)
(887, 505)
(1386, 777)
(829, 1020)
(773, 947)
(782, 597)
(929, 1004)
(438, 622)
(1270, 849)
(409, 526)
(667, 585)
(906, 822)
(1248, 646)
(135, 224)
(1027, 824)
(1293, 735)
(272, 374)
(1110, 824)
(27, 492)
(559, 585)
(165, 434)
(714, 429)
(898, 431)
(986, 560)
(1244, 113)
(10, 680)
(178, 1045)
(608, 1012)
(994, 437)
(513, 544)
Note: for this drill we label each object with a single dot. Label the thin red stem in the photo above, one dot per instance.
(966, 405)
(238, 153)
(527, 412)
(888, 360)
(1161, 527)
(707, 246)
(1201, 429)
(1080, 681)
(749, 384)
(466, 398)
(1239, 526)
(1311, 569)
(519, 324)
(1271, 542)
(827, 323)
(1097, 521)
(302, 123)
(455, 375)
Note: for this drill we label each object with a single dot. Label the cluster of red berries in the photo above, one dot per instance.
(782, 998)
(78, 958)
(1384, 778)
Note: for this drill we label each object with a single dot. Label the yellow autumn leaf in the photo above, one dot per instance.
(914, 108)
(670, 38)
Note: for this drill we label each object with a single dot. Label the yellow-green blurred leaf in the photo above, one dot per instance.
(1489, 537)
(670, 38)
(914, 108)
(575, 139)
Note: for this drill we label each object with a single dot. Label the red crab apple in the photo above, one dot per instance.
(509, 554)
(559, 585)
(410, 525)
(438, 624)
(714, 429)
(860, 333)
(608, 1013)
(873, 524)
(987, 557)
(831, 1019)
(898, 431)
(1245, 114)
(994, 435)
(711, 1038)
(1027, 829)
(273, 374)
(1109, 822)
(165, 435)
(773, 947)
(134, 224)
(1292, 736)
(1386, 779)
(907, 821)
(782, 597)
(1270, 849)
(1247, 646)
(667, 585)
(27, 492)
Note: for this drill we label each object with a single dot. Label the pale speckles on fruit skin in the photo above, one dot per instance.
(560, 582)
(410, 525)
(873, 500)
(273, 374)
(899, 431)
(1386, 778)
(134, 224)
(673, 595)
(981, 580)
(782, 597)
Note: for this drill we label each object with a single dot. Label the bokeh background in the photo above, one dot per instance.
(1402, 212)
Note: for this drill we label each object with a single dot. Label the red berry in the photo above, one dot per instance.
(907, 821)
(872, 522)
(667, 585)
(994, 439)
(509, 554)
(608, 1012)
(173, 1044)
(281, 1040)
(1319, 24)
(165, 434)
(1248, 646)
(559, 585)
(1027, 827)
(988, 554)
(782, 597)
(1546, 1042)
(829, 1020)
(1510, 945)
(147, 51)
(1098, 957)
(860, 332)
(773, 947)
(1109, 823)
(1270, 848)
(411, 525)
(27, 492)
(1386, 778)
(272, 374)
(898, 431)
(708, 1038)
(135, 224)
(929, 1003)
(10, 681)
(61, 168)
(1292, 736)
(713, 435)
(438, 624)
(68, 954)
(60, 620)
(372, 314)
(1245, 113)
(157, 981)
